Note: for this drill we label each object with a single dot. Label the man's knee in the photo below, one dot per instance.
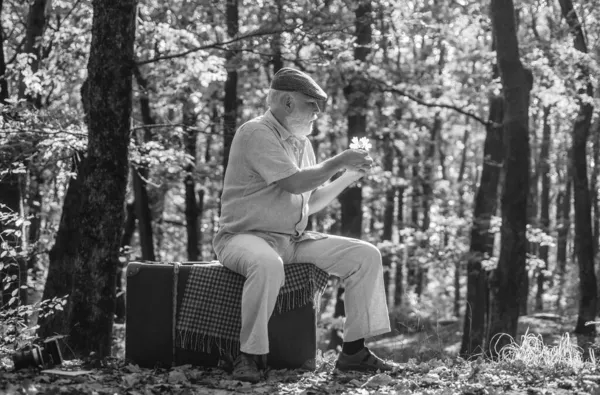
(371, 256)
(267, 267)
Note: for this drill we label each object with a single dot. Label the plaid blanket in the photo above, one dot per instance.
(210, 312)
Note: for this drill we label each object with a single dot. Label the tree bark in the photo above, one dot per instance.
(84, 259)
(516, 84)
(482, 241)
(584, 244)
(230, 101)
(191, 207)
(544, 164)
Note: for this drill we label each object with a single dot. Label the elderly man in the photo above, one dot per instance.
(272, 184)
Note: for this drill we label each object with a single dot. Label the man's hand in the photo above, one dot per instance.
(356, 160)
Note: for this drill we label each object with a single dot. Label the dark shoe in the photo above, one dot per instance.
(245, 368)
(362, 361)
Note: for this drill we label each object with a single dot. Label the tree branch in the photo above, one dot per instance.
(256, 33)
(383, 87)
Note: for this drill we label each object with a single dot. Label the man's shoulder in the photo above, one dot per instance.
(257, 127)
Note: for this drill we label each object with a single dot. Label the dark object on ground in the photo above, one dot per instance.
(44, 356)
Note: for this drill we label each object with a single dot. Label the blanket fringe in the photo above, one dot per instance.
(202, 342)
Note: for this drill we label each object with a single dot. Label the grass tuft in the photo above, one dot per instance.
(533, 353)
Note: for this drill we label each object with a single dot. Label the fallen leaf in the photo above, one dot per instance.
(177, 377)
(378, 380)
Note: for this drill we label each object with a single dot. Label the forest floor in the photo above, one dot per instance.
(545, 360)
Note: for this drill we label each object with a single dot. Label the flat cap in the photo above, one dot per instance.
(292, 80)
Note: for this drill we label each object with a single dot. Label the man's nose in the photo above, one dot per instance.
(316, 107)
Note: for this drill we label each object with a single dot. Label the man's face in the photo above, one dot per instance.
(304, 114)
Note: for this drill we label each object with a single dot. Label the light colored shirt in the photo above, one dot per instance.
(263, 152)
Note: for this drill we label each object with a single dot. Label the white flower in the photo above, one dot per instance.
(363, 143)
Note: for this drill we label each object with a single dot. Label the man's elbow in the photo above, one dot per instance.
(290, 186)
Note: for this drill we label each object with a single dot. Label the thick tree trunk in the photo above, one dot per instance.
(482, 241)
(594, 186)
(191, 207)
(516, 83)
(84, 259)
(544, 164)
(584, 244)
(230, 101)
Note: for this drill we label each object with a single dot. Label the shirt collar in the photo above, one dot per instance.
(284, 134)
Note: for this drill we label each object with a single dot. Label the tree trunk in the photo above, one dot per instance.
(388, 210)
(400, 261)
(277, 59)
(191, 207)
(427, 187)
(230, 101)
(544, 164)
(482, 241)
(3, 82)
(357, 95)
(563, 224)
(516, 84)
(461, 213)
(36, 23)
(84, 259)
(140, 176)
(415, 206)
(594, 185)
(584, 244)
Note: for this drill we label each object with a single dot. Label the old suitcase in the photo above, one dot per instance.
(152, 289)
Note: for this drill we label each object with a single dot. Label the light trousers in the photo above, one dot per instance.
(261, 260)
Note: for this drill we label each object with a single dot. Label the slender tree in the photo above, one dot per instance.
(3, 81)
(357, 94)
(84, 259)
(482, 241)
(191, 206)
(544, 163)
(230, 101)
(516, 86)
(584, 244)
(140, 175)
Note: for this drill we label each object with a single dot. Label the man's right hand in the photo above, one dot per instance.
(356, 159)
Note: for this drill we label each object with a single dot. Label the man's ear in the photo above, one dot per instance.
(288, 103)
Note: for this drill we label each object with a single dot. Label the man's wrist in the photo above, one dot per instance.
(335, 164)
